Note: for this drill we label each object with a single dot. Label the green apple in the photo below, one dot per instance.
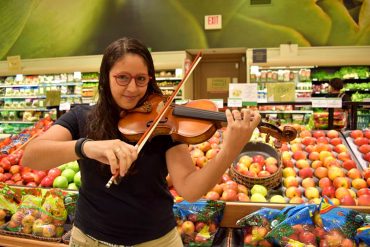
(60, 182)
(62, 167)
(69, 174)
(257, 197)
(257, 188)
(72, 186)
(77, 179)
(277, 199)
(73, 165)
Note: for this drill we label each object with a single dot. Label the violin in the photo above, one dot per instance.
(192, 123)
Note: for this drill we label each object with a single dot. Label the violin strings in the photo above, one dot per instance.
(199, 113)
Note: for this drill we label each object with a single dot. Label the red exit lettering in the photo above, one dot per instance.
(212, 20)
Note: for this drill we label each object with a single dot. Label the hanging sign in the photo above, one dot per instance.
(259, 55)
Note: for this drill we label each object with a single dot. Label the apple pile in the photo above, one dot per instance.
(317, 164)
(256, 166)
(361, 138)
(193, 230)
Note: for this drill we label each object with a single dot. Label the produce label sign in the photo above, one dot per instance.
(327, 102)
(53, 98)
(218, 84)
(280, 91)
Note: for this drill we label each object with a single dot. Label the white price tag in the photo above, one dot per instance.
(234, 102)
(77, 75)
(181, 101)
(66, 106)
(327, 102)
(218, 102)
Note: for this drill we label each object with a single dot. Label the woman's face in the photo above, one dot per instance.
(128, 96)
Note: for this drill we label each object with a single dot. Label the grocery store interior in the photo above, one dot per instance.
(307, 163)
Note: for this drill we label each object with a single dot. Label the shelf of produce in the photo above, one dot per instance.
(237, 210)
(9, 241)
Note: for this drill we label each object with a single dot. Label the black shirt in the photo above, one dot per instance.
(139, 209)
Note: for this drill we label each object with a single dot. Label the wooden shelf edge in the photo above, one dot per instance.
(9, 241)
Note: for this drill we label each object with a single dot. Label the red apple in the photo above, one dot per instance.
(335, 141)
(364, 200)
(347, 200)
(259, 159)
(332, 134)
(306, 172)
(5, 164)
(344, 156)
(356, 134)
(349, 164)
(229, 195)
(363, 149)
(15, 169)
(47, 181)
(325, 182)
(367, 134)
(54, 172)
(322, 139)
(328, 191)
(361, 141)
(318, 133)
(363, 191)
(367, 157)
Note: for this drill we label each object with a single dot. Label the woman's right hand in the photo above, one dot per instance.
(116, 153)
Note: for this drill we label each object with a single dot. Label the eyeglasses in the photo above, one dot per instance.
(125, 78)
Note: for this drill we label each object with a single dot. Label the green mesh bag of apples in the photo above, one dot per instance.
(198, 222)
(325, 224)
(39, 216)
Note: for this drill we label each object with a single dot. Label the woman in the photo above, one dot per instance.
(335, 87)
(137, 211)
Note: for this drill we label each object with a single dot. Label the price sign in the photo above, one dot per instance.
(280, 91)
(218, 102)
(234, 102)
(327, 102)
(66, 106)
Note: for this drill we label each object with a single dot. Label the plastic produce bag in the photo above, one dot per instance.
(340, 223)
(198, 222)
(296, 230)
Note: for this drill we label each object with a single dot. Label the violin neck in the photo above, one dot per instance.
(183, 111)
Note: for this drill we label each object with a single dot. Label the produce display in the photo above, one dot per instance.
(317, 164)
(305, 225)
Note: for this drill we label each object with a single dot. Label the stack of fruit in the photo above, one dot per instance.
(319, 163)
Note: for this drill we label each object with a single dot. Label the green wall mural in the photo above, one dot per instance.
(46, 28)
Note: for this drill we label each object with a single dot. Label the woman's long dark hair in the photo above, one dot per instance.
(103, 119)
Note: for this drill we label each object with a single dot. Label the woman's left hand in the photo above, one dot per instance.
(240, 127)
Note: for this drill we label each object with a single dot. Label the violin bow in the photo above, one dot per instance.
(144, 138)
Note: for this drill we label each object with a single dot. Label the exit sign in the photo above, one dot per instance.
(212, 22)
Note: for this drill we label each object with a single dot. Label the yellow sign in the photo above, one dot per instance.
(14, 62)
(280, 91)
(218, 84)
(52, 98)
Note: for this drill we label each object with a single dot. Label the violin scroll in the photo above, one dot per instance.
(288, 133)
